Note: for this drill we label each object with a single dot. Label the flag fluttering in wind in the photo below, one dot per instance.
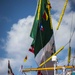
(42, 31)
(10, 72)
(31, 49)
(42, 34)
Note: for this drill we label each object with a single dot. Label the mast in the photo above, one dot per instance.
(39, 18)
(49, 68)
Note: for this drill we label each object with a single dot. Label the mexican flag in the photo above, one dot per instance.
(42, 34)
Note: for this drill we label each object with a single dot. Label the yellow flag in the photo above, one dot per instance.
(25, 59)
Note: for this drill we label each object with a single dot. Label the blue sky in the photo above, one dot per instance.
(16, 19)
(10, 12)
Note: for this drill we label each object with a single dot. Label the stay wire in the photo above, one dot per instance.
(71, 30)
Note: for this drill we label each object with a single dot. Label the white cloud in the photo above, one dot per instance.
(3, 67)
(18, 37)
(62, 35)
(17, 45)
(57, 5)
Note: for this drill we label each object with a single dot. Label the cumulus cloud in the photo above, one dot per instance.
(17, 44)
(62, 36)
(3, 67)
(57, 6)
(18, 40)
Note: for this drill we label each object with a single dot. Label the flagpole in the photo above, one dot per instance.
(55, 68)
(54, 59)
(64, 70)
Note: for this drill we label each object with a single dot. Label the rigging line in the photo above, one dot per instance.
(69, 49)
(55, 32)
(66, 60)
(70, 41)
(72, 33)
(73, 58)
(71, 29)
(25, 73)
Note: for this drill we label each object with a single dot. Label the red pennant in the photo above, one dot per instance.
(39, 73)
(31, 49)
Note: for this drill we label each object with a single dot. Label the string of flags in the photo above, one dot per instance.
(31, 49)
(39, 73)
(10, 72)
(25, 59)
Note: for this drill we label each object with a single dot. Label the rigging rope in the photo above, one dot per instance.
(72, 33)
(73, 58)
(69, 49)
